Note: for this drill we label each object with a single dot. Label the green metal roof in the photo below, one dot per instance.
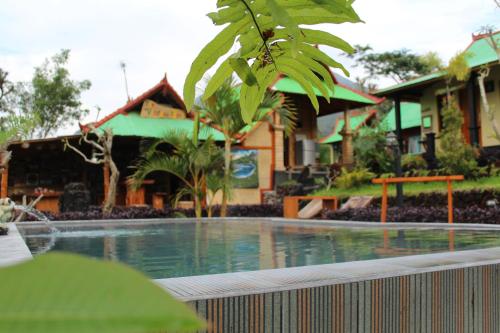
(480, 52)
(354, 121)
(411, 116)
(132, 124)
(288, 85)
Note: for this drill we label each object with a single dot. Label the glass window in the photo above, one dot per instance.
(414, 146)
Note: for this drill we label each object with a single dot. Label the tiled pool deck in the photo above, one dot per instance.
(442, 292)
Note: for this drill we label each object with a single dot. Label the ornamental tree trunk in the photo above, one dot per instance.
(483, 74)
(110, 201)
(227, 175)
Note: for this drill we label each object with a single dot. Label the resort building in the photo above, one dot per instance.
(265, 155)
(358, 120)
(430, 91)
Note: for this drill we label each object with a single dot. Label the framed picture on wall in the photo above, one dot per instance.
(245, 168)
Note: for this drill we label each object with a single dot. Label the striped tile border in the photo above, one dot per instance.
(458, 300)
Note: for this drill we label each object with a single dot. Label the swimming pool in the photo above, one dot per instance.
(189, 248)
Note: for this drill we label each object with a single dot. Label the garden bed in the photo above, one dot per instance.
(129, 213)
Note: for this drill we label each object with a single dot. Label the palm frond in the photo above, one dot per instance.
(159, 161)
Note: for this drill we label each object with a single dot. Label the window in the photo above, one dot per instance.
(414, 146)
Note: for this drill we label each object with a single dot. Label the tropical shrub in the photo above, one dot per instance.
(355, 178)
(289, 188)
(191, 161)
(455, 156)
(371, 152)
(413, 162)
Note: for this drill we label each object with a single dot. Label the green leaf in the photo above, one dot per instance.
(281, 16)
(318, 55)
(243, 70)
(252, 96)
(66, 293)
(302, 80)
(320, 16)
(325, 38)
(219, 46)
(223, 73)
(290, 62)
(228, 14)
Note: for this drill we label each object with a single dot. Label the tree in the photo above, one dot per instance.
(483, 73)
(399, 65)
(222, 110)
(455, 155)
(272, 41)
(53, 95)
(6, 88)
(102, 143)
(190, 161)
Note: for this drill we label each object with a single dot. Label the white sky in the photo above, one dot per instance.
(154, 37)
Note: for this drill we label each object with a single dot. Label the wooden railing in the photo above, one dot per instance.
(386, 181)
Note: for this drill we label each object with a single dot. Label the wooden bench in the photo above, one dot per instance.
(386, 181)
(291, 204)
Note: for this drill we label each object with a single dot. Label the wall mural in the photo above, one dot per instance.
(245, 168)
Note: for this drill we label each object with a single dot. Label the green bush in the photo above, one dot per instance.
(413, 162)
(355, 178)
(370, 150)
(455, 155)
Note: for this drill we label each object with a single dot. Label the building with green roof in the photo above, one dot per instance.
(150, 116)
(300, 149)
(430, 91)
(411, 128)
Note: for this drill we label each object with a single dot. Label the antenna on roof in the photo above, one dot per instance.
(123, 66)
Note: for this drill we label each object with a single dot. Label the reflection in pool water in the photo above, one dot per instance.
(190, 248)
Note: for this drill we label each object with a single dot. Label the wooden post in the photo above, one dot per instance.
(291, 207)
(383, 213)
(450, 202)
(5, 183)
(105, 170)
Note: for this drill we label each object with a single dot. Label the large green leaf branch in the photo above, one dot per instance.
(272, 42)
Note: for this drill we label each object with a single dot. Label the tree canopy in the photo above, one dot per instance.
(52, 95)
(399, 65)
(271, 40)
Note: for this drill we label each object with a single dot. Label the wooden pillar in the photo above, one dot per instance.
(347, 144)
(5, 183)
(291, 150)
(399, 131)
(105, 171)
(472, 111)
(279, 142)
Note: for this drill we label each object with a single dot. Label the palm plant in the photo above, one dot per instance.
(189, 161)
(222, 110)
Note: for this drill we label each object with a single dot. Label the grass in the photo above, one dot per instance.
(414, 188)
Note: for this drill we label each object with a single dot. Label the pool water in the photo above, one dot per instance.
(210, 247)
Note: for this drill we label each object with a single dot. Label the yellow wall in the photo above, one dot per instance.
(260, 139)
(494, 103)
(429, 107)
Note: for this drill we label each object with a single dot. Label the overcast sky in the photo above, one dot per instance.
(155, 37)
